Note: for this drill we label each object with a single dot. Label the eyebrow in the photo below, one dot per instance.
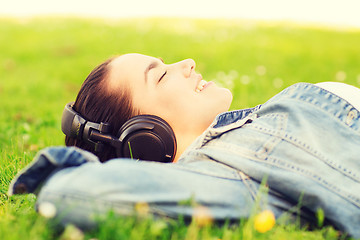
(151, 66)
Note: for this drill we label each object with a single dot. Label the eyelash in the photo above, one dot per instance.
(162, 76)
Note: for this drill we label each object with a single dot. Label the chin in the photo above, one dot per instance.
(221, 103)
(227, 99)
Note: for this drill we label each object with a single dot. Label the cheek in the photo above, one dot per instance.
(175, 92)
(175, 99)
(163, 103)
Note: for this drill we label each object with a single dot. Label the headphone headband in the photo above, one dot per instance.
(72, 124)
(75, 126)
(145, 137)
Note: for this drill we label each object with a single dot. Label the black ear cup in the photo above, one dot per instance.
(147, 137)
(144, 137)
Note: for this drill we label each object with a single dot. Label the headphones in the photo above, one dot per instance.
(144, 137)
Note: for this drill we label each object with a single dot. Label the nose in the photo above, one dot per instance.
(187, 65)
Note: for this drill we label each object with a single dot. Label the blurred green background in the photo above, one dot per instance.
(43, 62)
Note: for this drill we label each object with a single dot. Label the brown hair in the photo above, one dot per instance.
(98, 103)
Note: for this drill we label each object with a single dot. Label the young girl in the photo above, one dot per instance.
(304, 142)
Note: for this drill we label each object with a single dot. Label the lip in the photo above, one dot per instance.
(207, 84)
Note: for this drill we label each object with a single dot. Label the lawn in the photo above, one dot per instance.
(43, 62)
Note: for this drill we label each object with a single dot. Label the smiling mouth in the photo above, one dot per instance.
(200, 86)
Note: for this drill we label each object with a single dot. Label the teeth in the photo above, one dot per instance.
(200, 86)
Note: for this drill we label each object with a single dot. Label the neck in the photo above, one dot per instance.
(183, 142)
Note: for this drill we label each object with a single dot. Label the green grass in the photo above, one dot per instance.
(44, 61)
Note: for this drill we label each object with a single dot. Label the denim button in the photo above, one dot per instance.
(351, 115)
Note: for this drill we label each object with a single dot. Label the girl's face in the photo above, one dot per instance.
(174, 92)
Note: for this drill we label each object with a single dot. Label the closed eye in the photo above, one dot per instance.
(162, 76)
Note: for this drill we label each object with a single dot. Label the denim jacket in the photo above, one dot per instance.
(304, 144)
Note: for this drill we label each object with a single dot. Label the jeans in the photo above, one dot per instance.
(304, 142)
